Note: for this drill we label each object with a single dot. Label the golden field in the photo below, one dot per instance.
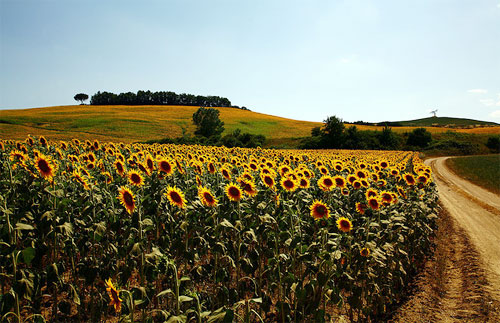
(140, 123)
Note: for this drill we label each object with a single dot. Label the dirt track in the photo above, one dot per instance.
(477, 211)
(461, 283)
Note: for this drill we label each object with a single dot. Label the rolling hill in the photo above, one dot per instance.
(142, 123)
(445, 121)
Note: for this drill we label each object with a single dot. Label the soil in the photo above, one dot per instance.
(461, 283)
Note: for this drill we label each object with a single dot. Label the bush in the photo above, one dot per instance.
(493, 144)
(419, 137)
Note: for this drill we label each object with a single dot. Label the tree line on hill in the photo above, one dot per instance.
(157, 98)
(334, 135)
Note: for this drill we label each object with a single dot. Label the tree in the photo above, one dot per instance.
(333, 132)
(493, 143)
(419, 137)
(207, 122)
(388, 139)
(81, 97)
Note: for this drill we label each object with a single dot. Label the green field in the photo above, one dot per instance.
(443, 121)
(480, 170)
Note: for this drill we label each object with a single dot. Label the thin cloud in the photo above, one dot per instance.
(495, 114)
(487, 102)
(348, 59)
(477, 91)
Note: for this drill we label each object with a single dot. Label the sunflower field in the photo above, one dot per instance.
(116, 232)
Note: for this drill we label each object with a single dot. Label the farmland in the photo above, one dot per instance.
(101, 231)
(130, 124)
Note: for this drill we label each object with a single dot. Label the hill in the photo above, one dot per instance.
(142, 123)
(446, 121)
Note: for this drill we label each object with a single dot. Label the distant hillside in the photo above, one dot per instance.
(443, 121)
(143, 123)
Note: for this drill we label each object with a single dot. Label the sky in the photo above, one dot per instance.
(307, 60)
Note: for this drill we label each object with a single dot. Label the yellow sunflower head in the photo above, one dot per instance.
(319, 210)
(127, 199)
(326, 183)
(344, 224)
(135, 178)
(206, 197)
(176, 197)
(233, 192)
(45, 166)
(113, 293)
(289, 184)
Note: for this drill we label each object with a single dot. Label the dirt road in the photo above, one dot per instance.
(477, 211)
(461, 283)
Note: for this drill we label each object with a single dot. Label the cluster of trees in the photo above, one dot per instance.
(334, 135)
(160, 98)
(209, 129)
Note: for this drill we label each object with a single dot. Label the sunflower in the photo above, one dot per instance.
(356, 184)
(401, 191)
(386, 197)
(248, 187)
(319, 210)
(364, 252)
(361, 207)
(371, 193)
(17, 155)
(127, 199)
(120, 169)
(113, 293)
(206, 197)
(268, 180)
(80, 179)
(323, 170)
(233, 192)
(108, 177)
(304, 183)
(165, 166)
(409, 179)
(288, 184)
(150, 164)
(211, 168)
(374, 203)
(422, 179)
(45, 166)
(339, 181)
(283, 169)
(344, 224)
(384, 164)
(361, 174)
(351, 179)
(43, 141)
(326, 183)
(226, 173)
(176, 197)
(135, 178)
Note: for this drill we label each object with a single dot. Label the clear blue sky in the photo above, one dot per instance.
(356, 59)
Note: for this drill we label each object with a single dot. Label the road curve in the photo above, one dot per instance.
(477, 211)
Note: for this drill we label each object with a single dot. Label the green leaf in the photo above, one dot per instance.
(24, 226)
(28, 255)
(165, 292)
(184, 298)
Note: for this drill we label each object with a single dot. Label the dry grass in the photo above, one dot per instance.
(141, 123)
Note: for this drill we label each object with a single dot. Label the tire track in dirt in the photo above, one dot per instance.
(461, 282)
(481, 220)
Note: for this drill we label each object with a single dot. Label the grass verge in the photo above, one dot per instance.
(481, 170)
